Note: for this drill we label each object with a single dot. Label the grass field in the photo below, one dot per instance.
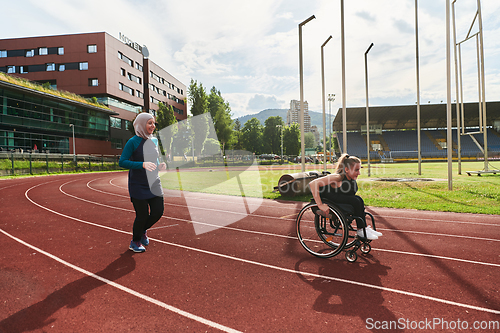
(470, 194)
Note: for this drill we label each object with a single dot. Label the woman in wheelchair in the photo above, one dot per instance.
(341, 187)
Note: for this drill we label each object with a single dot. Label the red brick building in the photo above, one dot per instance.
(118, 72)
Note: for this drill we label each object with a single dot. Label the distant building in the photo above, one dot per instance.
(314, 130)
(293, 115)
(118, 72)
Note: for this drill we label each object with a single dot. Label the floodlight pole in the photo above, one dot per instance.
(457, 101)
(331, 98)
(418, 91)
(367, 109)
(481, 48)
(281, 127)
(344, 112)
(324, 100)
(301, 70)
(449, 142)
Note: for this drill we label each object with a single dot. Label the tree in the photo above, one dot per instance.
(252, 136)
(291, 139)
(197, 98)
(309, 141)
(272, 135)
(221, 117)
(165, 118)
(237, 143)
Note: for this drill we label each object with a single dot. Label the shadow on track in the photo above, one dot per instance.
(38, 315)
(344, 299)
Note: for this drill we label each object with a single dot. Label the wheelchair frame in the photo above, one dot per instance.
(332, 230)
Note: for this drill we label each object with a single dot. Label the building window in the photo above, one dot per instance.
(84, 66)
(11, 69)
(43, 51)
(115, 122)
(29, 53)
(93, 82)
(139, 67)
(140, 94)
(60, 50)
(3, 54)
(50, 67)
(23, 69)
(62, 67)
(91, 48)
(116, 143)
(122, 71)
(126, 89)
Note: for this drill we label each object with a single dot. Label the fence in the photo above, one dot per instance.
(34, 163)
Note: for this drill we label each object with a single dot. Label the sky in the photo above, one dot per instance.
(249, 50)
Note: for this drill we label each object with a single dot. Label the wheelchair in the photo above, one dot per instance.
(326, 235)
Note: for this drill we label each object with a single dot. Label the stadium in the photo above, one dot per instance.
(394, 137)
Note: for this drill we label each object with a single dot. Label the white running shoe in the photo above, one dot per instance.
(374, 231)
(369, 235)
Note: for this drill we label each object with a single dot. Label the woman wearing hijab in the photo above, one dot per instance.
(140, 156)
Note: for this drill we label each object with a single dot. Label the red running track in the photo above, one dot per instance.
(66, 267)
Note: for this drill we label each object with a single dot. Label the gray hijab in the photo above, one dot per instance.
(140, 123)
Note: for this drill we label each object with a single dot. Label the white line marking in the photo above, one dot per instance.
(295, 238)
(125, 289)
(397, 291)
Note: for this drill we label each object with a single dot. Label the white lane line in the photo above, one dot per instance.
(397, 291)
(282, 219)
(126, 289)
(295, 238)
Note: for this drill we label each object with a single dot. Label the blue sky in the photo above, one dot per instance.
(249, 49)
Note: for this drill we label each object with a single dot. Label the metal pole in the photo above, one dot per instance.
(367, 109)
(449, 143)
(342, 43)
(459, 150)
(418, 91)
(323, 100)
(331, 98)
(301, 70)
(481, 46)
(74, 151)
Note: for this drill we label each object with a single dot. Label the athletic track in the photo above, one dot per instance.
(65, 267)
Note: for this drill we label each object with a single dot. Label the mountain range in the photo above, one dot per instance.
(316, 117)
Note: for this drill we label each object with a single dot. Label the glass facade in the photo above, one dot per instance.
(29, 114)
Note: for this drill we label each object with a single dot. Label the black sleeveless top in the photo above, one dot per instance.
(348, 187)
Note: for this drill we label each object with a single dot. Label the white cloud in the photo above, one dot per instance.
(249, 48)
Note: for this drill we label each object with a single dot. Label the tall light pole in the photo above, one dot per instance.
(331, 98)
(449, 142)
(367, 108)
(344, 112)
(74, 152)
(418, 91)
(281, 126)
(301, 70)
(323, 101)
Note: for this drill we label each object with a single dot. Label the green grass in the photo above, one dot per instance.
(469, 194)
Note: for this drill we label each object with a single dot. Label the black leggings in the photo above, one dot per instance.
(355, 201)
(147, 213)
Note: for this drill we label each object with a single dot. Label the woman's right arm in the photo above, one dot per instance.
(320, 182)
(127, 152)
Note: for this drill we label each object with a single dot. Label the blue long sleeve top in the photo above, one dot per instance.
(142, 184)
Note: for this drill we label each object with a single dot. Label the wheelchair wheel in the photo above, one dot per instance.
(321, 236)
(365, 248)
(351, 256)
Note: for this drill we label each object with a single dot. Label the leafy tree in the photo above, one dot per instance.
(252, 136)
(221, 116)
(237, 141)
(165, 118)
(272, 134)
(197, 98)
(291, 139)
(309, 141)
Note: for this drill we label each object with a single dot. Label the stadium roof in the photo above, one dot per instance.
(405, 116)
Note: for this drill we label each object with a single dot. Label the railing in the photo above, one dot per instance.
(13, 163)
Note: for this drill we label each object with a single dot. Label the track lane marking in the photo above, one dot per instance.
(125, 289)
(282, 269)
